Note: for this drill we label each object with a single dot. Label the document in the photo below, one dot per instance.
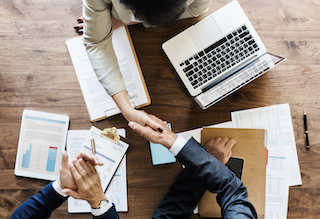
(277, 182)
(41, 141)
(277, 120)
(117, 190)
(99, 104)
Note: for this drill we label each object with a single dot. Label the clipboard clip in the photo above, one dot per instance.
(111, 134)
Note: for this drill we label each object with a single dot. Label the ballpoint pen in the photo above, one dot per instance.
(306, 129)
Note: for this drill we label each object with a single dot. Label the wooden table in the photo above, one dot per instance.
(36, 73)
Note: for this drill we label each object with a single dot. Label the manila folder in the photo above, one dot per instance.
(251, 146)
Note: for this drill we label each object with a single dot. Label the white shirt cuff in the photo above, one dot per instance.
(102, 210)
(58, 189)
(178, 145)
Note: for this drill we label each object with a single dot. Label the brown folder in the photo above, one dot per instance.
(251, 147)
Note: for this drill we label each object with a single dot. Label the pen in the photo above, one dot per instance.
(306, 128)
(93, 146)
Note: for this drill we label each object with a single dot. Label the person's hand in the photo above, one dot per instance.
(144, 119)
(220, 148)
(79, 27)
(115, 24)
(131, 114)
(88, 157)
(166, 137)
(88, 182)
(118, 23)
(66, 179)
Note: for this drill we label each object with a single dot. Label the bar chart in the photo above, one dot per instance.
(26, 158)
(51, 161)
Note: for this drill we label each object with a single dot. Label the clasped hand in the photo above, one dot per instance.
(80, 179)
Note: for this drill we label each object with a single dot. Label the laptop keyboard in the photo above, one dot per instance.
(219, 57)
(235, 82)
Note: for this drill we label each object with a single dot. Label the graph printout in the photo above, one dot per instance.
(277, 121)
(117, 190)
(42, 139)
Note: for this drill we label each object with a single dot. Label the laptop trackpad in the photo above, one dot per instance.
(205, 32)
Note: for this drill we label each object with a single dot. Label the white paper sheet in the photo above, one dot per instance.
(277, 120)
(98, 102)
(117, 190)
(277, 182)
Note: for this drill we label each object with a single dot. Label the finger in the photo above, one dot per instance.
(217, 140)
(156, 123)
(80, 31)
(81, 170)
(76, 175)
(85, 166)
(78, 26)
(88, 156)
(224, 141)
(144, 131)
(71, 193)
(91, 167)
(64, 161)
(229, 145)
(210, 142)
(80, 19)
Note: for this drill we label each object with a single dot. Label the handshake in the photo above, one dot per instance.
(80, 180)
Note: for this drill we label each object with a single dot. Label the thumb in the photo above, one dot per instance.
(135, 126)
(74, 194)
(64, 161)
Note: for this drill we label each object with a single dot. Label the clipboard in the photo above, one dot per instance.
(251, 146)
(109, 152)
(99, 104)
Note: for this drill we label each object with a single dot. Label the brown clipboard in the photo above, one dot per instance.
(140, 74)
(251, 146)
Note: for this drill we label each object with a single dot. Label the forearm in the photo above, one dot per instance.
(97, 39)
(217, 178)
(122, 101)
(40, 205)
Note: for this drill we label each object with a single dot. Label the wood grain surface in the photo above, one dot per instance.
(36, 73)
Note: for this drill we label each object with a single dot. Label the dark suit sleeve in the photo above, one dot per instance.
(47, 200)
(111, 214)
(204, 171)
(182, 198)
(40, 205)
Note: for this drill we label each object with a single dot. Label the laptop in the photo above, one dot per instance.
(218, 55)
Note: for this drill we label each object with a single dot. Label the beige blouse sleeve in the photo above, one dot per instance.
(195, 8)
(97, 39)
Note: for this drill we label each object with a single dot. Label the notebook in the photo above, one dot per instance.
(219, 55)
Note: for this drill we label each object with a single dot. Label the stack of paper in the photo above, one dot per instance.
(283, 166)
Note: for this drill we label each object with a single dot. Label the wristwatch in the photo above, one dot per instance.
(102, 204)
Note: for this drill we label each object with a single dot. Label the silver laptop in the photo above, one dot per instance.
(219, 55)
